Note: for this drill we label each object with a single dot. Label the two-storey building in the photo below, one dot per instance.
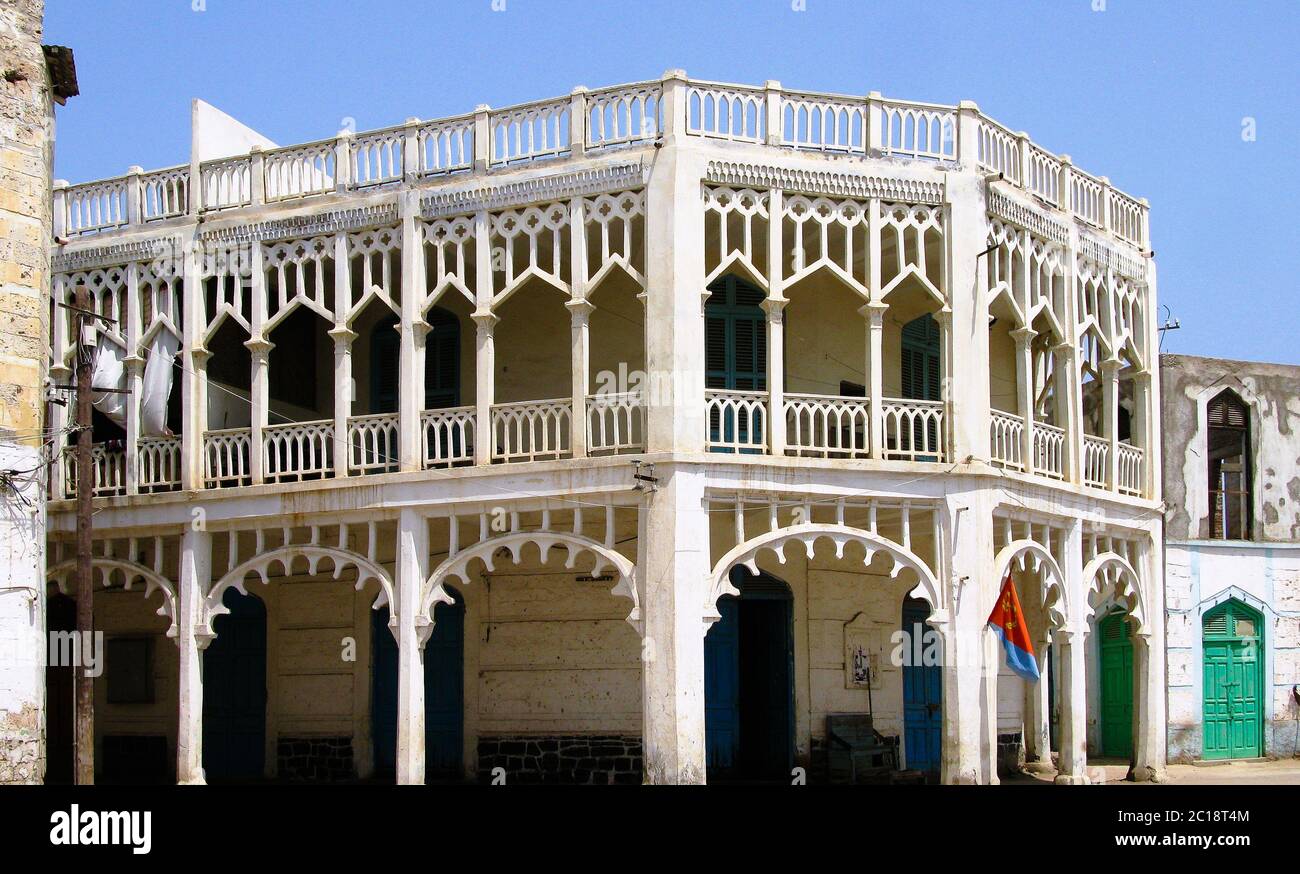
(619, 436)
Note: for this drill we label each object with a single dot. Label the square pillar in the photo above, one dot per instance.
(343, 337)
(673, 562)
(1150, 741)
(410, 366)
(191, 640)
(1038, 715)
(1110, 418)
(875, 316)
(774, 308)
(1023, 338)
(1072, 667)
(260, 407)
(412, 570)
(192, 377)
(484, 384)
(579, 365)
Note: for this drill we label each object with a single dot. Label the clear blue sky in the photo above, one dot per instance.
(1151, 93)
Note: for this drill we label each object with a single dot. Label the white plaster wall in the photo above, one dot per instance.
(1198, 577)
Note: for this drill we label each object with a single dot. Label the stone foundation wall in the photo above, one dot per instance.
(318, 759)
(568, 759)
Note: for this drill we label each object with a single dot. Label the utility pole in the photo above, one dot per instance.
(84, 737)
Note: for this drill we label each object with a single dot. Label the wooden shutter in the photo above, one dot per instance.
(442, 360)
(385, 347)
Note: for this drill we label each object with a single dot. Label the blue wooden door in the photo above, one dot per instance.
(922, 698)
(234, 691)
(443, 693)
(748, 682)
(722, 690)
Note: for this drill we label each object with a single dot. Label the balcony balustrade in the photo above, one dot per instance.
(827, 426)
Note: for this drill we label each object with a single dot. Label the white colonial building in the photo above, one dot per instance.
(615, 437)
(1232, 557)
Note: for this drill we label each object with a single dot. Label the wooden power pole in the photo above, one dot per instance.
(84, 738)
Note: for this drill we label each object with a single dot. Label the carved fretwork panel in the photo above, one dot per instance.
(227, 288)
(821, 233)
(912, 250)
(615, 236)
(108, 290)
(530, 243)
(375, 270)
(735, 233)
(299, 273)
(450, 250)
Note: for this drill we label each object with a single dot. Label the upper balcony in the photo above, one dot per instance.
(440, 331)
(592, 121)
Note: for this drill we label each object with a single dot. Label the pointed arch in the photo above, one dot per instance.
(130, 572)
(1110, 577)
(1033, 556)
(808, 534)
(434, 591)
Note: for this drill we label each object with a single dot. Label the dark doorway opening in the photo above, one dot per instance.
(748, 682)
(234, 692)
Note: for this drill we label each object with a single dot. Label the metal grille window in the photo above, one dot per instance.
(1229, 468)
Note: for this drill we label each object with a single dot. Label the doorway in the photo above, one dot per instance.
(1116, 686)
(444, 696)
(1233, 715)
(234, 692)
(748, 682)
(922, 697)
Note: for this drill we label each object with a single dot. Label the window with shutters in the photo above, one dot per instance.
(735, 354)
(441, 362)
(920, 364)
(1228, 454)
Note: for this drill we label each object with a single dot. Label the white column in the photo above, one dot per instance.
(774, 307)
(579, 365)
(1038, 715)
(485, 385)
(1071, 667)
(875, 316)
(343, 337)
(1025, 391)
(260, 399)
(1110, 418)
(412, 570)
(410, 397)
(192, 588)
(673, 561)
(968, 575)
(1069, 409)
(965, 330)
(193, 394)
(675, 414)
(1150, 741)
(132, 361)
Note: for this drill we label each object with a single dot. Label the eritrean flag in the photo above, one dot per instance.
(1008, 622)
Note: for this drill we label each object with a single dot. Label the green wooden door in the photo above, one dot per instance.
(1116, 686)
(1232, 711)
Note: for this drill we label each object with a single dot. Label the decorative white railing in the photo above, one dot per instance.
(1130, 472)
(379, 157)
(913, 430)
(530, 131)
(107, 467)
(297, 451)
(1096, 460)
(227, 457)
(626, 114)
(532, 430)
(445, 146)
(728, 112)
(598, 119)
(999, 150)
(447, 436)
(1049, 450)
(824, 123)
(158, 464)
(226, 183)
(615, 423)
(828, 426)
(1044, 175)
(736, 420)
(919, 130)
(372, 443)
(165, 193)
(298, 171)
(95, 206)
(1006, 433)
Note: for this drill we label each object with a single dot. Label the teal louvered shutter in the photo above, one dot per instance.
(442, 360)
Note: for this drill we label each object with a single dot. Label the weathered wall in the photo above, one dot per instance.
(26, 151)
(1272, 391)
(1199, 577)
